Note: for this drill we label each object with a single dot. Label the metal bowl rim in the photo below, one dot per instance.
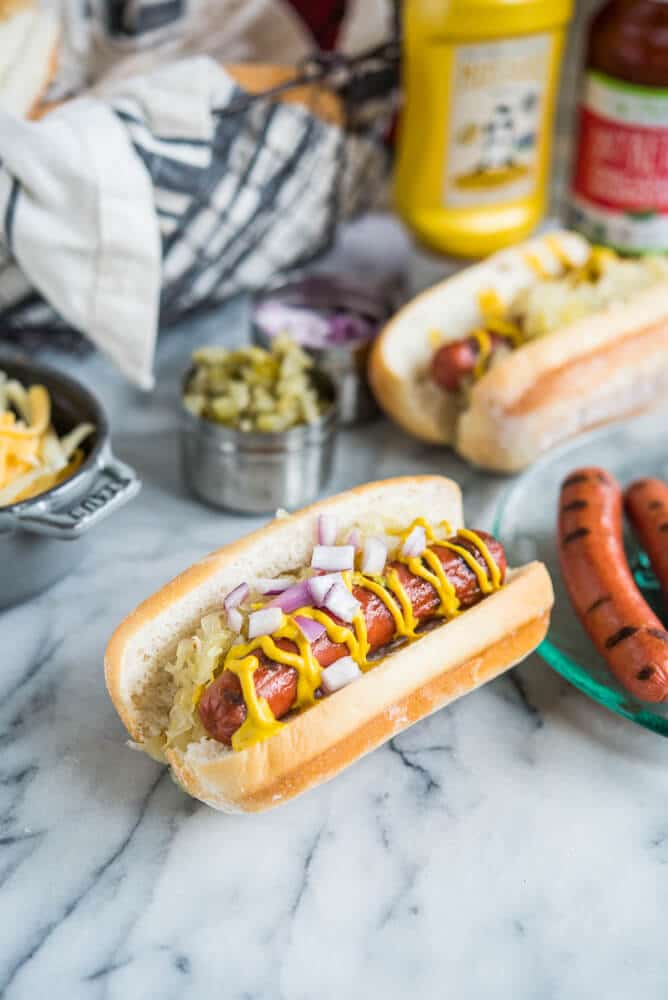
(66, 382)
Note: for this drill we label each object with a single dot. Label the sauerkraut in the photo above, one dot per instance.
(548, 304)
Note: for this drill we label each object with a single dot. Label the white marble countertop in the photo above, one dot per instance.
(514, 846)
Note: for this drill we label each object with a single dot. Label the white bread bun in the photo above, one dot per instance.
(28, 55)
(410, 683)
(602, 367)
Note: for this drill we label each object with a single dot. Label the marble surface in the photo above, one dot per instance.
(514, 846)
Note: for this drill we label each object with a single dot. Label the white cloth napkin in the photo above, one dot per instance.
(79, 219)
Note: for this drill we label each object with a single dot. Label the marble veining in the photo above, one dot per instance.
(515, 845)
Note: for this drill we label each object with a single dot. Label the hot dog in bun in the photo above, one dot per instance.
(276, 662)
(531, 346)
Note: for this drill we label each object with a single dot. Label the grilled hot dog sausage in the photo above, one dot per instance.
(452, 363)
(222, 709)
(599, 582)
(646, 503)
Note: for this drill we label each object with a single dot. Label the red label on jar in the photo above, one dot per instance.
(621, 166)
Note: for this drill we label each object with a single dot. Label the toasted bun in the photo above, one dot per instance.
(28, 55)
(410, 683)
(599, 368)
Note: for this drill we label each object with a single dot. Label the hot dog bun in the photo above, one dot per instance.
(28, 55)
(601, 367)
(410, 683)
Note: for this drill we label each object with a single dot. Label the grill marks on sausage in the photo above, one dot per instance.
(573, 536)
(574, 505)
(624, 633)
(628, 630)
(599, 602)
(579, 477)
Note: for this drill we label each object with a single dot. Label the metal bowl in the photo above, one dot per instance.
(42, 539)
(257, 472)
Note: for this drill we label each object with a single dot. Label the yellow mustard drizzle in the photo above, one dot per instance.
(395, 586)
(492, 567)
(536, 264)
(260, 722)
(557, 248)
(392, 605)
(484, 350)
(490, 302)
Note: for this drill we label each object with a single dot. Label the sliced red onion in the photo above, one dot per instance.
(236, 596)
(311, 629)
(333, 557)
(305, 326)
(327, 529)
(341, 602)
(235, 619)
(294, 597)
(416, 543)
(354, 539)
(341, 672)
(374, 556)
(277, 585)
(264, 622)
(346, 327)
(320, 586)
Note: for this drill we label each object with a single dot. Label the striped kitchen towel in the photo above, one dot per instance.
(168, 192)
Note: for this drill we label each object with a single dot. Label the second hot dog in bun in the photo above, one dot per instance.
(276, 662)
(532, 346)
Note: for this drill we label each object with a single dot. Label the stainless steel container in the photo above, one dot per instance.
(346, 364)
(43, 538)
(255, 472)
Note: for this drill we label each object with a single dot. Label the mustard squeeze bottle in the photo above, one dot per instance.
(480, 80)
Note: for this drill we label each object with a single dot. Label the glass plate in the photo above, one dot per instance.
(526, 524)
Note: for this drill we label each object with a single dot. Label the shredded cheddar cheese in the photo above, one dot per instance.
(33, 458)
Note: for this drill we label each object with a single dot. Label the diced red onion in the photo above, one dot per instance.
(264, 622)
(236, 596)
(416, 542)
(327, 529)
(294, 597)
(311, 629)
(320, 586)
(333, 557)
(374, 556)
(341, 602)
(341, 672)
(235, 619)
(354, 539)
(277, 585)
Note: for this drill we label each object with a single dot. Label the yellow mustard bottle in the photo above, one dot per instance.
(475, 134)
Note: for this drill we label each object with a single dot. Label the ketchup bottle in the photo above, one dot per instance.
(619, 192)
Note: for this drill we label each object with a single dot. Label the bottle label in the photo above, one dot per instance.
(499, 99)
(620, 182)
